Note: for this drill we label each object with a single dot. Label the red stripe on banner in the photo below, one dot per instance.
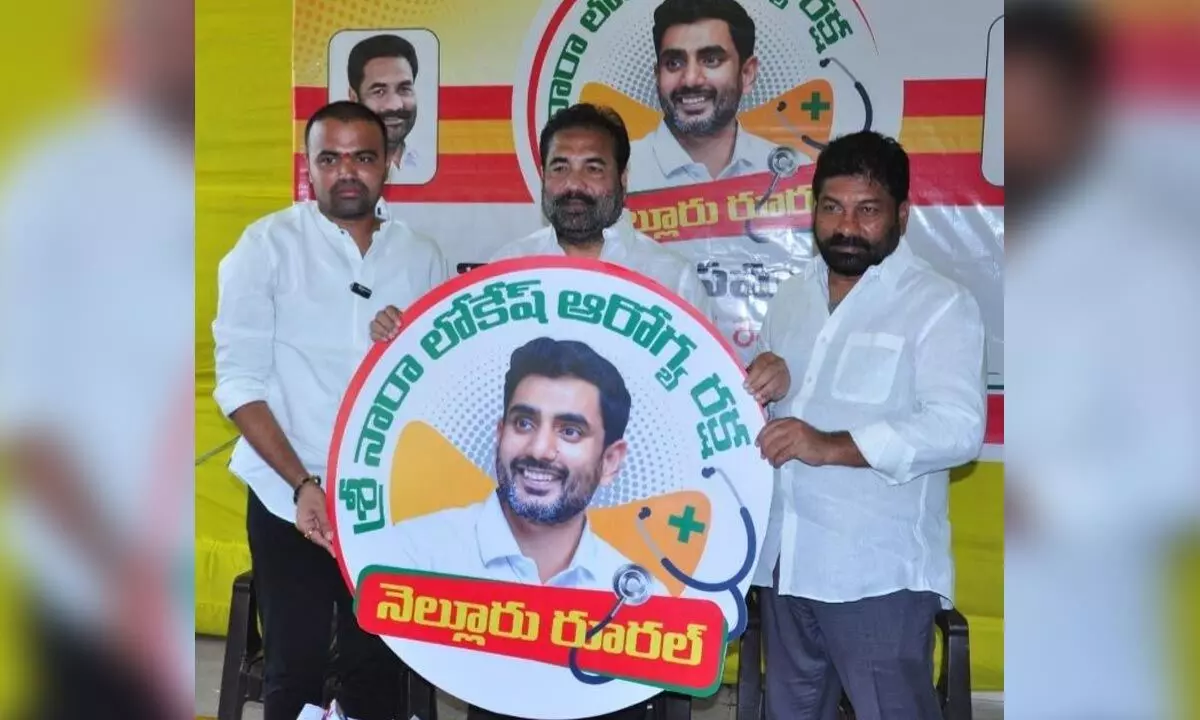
(479, 102)
(952, 179)
(459, 179)
(993, 434)
(943, 98)
(308, 100)
(455, 102)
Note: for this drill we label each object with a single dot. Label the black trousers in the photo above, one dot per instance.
(299, 587)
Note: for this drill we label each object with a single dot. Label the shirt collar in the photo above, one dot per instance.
(672, 157)
(383, 213)
(496, 543)
(408, 158)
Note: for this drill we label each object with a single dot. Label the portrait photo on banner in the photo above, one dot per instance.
(395, 73)
(563, 453)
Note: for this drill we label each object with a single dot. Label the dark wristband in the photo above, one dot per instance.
(315, 479)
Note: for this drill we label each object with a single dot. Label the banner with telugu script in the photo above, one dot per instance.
(488, 76)
(549, 480)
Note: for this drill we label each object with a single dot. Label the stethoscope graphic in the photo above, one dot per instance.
(784, 161)
(632, 583)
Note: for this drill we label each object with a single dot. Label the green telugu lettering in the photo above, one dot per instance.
(722, 429)
(382, 412)
(364, 497)
(563, 82)
(828, 24)
(498, 304)
(647, 326)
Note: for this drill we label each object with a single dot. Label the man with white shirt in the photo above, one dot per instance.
(382, 71)
(560, 437)
(585, 159)
(705, 66)
(875, 364)
(295, 294)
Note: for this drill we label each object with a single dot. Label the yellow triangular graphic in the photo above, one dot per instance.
(430, 474)
(639, 120)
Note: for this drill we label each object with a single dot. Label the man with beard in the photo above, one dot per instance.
(288, 339)
(705, 65)
(585, 159)
(888, 359)
(382, 71)
(560, 437)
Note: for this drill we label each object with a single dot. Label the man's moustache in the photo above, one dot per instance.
(567, 197)
(848, 241)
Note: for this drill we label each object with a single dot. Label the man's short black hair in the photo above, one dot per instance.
(1064, 34)
(378, 46)
(591, 117)
(553, 359)
(866, 154)
(345, 111)
(686, 12)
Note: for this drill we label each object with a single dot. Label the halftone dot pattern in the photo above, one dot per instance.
(621, 55)
(467, 414)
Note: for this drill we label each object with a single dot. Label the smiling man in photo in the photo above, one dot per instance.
(705, 65)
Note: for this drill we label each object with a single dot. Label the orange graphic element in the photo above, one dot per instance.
(804, 110)
(674, 643)
(671, 525)
(640, 120)
(429, 474)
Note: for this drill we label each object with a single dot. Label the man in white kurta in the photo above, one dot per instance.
(875, 365)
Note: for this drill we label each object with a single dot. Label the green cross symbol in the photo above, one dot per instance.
(815, 106)
(687, 524)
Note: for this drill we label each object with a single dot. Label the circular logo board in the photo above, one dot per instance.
(546, 493)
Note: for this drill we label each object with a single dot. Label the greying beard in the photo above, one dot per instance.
(583, 228)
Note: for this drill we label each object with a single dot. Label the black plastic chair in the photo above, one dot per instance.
(242, 668)
(953, 686)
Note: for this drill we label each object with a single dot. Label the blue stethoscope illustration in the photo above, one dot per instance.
(784, 161)
(633, 584)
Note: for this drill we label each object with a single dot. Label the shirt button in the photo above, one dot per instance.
(808, 381)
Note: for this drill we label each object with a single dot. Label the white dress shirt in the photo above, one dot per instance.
(625, 246)
(900, 365)
(659, 161)
(290, 331)
(413, 169)
(477, 542)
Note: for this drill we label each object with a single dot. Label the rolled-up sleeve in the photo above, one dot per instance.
(244, 328)
(946, 428)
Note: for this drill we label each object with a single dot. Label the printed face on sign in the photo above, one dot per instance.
(701, 77)
(556, 444)
(388, 87)
(567, 493)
